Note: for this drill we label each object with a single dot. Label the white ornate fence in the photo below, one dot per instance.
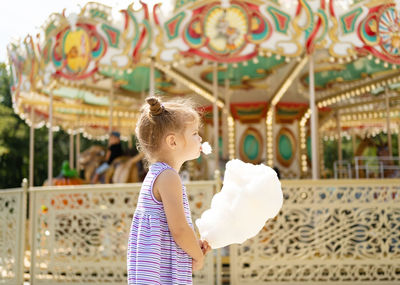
(80, 233)
(330, 232)
(12, 231)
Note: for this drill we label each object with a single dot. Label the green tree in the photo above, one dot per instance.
(5, 95)
(13, 137)
(14, 143)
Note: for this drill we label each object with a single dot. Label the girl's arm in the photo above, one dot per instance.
(168, 188)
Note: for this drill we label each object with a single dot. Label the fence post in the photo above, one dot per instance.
(217, 178)
(232, 264)
(32, 227)
(356, 165)
(22, 225)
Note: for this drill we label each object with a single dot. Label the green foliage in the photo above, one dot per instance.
(13, 139)
(5, 79)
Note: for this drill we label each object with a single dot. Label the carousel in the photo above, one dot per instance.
(277, 82)
(274, 79)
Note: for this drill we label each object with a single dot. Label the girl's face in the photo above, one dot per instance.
(191, 146)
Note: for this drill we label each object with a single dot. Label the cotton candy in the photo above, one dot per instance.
(206, 148)
(251, 194)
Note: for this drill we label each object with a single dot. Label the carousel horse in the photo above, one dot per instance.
(123, 169)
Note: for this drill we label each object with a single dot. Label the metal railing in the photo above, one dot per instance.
(379, 165)
(342, 169)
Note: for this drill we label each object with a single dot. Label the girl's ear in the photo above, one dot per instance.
(171, 141)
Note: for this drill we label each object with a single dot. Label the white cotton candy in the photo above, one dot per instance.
(206, 148)
(251, 194)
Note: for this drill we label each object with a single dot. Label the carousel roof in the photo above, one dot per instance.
(89, 61)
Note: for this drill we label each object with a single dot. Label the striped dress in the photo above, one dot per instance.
(153, 257)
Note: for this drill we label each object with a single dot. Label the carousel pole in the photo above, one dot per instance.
(71, 149)
(50, 154)
(389, 133)
(398, 140)
(110, 119)
(78, 149)
(314, 123)
(339, 133)
(225, 128)
(215, 114)
(152, 79)
(353, 142)
(31, 147)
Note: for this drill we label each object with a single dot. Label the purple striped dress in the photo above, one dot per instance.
(153, 257)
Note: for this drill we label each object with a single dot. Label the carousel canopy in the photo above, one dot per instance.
(99, 69)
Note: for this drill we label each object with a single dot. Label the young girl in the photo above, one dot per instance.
(163, 247)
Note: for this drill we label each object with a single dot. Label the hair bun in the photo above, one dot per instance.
(155, 106)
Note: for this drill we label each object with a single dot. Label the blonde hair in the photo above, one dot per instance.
(157, 119)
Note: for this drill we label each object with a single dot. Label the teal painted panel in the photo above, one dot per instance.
(285, 147)
(251, 147)
(309, 147)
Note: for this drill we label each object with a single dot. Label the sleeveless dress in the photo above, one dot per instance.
(153, 257)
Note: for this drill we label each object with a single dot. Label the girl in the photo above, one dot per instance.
(162, 247)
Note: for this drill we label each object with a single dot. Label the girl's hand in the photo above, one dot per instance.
(205, 247)
(197, 264)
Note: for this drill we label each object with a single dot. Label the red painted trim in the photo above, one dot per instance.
(155, 14)
(135, 53)
(146, 10)
(331, 10)
(310, 41)
(292, 104)
(298, 8)
(126, 19)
